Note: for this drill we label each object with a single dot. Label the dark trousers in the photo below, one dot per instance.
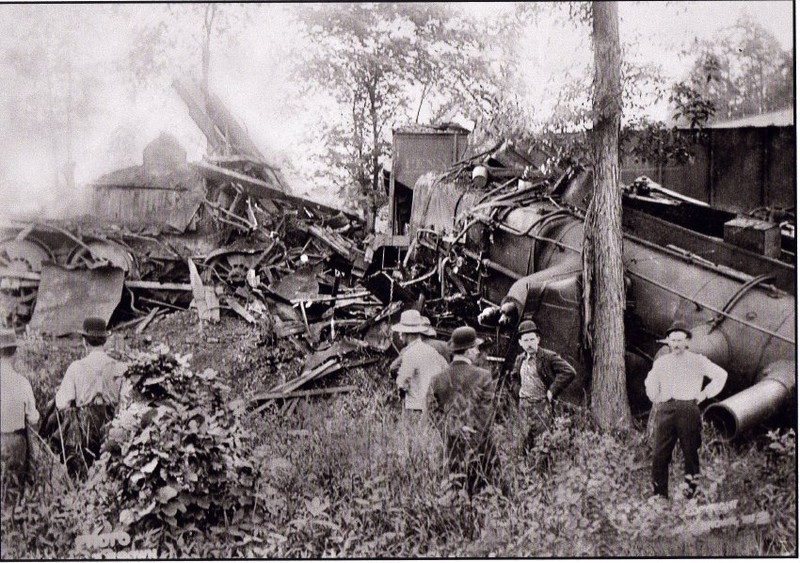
(13, 461)
(83, 431)
(536, 417)
(676, 421)
(474, 460)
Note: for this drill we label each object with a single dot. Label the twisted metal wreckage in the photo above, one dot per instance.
(485, 234)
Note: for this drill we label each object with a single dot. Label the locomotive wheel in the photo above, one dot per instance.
(23, 255)
(101, 252)
(230, 268)
(17, 295)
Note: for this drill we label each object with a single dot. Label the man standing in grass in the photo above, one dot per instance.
(88, 396)
(17, 410)
(429, 337)
(461, 405)
(543, 375)
(418, 363)
(675, 386)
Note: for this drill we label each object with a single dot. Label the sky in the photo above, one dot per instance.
(252, 75)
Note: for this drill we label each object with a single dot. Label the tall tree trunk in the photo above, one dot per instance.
(69, 167)
(604, 289)
(373, 110)
(205, 59)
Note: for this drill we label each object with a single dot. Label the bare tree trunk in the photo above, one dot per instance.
(69, 167)
(373, 110)
(53, 124)
(208, 27)
(604, 289)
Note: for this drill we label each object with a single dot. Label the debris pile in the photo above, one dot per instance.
(222, 236)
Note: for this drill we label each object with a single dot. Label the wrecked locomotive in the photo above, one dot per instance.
(145, 229)
(513, 249)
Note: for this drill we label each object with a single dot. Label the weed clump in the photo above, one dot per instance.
(176, 458)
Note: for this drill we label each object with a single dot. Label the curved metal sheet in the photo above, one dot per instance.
(67, 297)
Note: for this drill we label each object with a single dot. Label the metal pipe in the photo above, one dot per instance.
(756, 404)
(492, 265)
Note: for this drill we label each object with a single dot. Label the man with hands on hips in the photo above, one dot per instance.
(675, 386)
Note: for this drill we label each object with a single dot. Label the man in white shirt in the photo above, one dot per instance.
(88, 396)
(419, 362)
(17, 410)
(675, 386)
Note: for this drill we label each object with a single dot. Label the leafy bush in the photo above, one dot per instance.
(177, 456)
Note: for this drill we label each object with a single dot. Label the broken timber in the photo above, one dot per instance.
(301, 394)
(132, 284)
(259, 188)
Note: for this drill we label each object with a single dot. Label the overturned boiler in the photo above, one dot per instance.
(518, 243)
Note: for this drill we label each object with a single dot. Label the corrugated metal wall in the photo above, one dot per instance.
(734, 169)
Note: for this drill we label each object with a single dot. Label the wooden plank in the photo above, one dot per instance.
(295, 394)
(259, 188)
(212, 303)
(140, 284)
(204, 298)
(325, 368)
(241, 311)
(146, 321)
(701, 527)
(289, 328)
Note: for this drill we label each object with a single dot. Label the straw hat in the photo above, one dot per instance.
(429, 330)
(410, 322)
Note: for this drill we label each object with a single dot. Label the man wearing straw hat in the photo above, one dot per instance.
(17, 409)
(428, 337)
(88, 396)
(461, 405)
(419, 362)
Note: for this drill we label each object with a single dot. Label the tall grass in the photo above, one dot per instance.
(350, 477)
(366, 485)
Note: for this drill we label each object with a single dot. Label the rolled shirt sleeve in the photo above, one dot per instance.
(66, 391)
(717, 375)
(31, 414)
(652, 384)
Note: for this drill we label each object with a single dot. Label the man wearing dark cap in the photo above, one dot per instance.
(675, 386)
(88, 396)
(543, 376)
(461, 406)
(17, 410)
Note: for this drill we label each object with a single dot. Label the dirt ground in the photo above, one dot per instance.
(249, 357)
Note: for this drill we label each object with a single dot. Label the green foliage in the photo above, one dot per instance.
(348, 477)
(691, 105)
(380, 63)
(179, 38)
(177, 458)
(40, 526)
(741, 71)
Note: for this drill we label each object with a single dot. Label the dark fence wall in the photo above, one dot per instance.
(736, 169)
